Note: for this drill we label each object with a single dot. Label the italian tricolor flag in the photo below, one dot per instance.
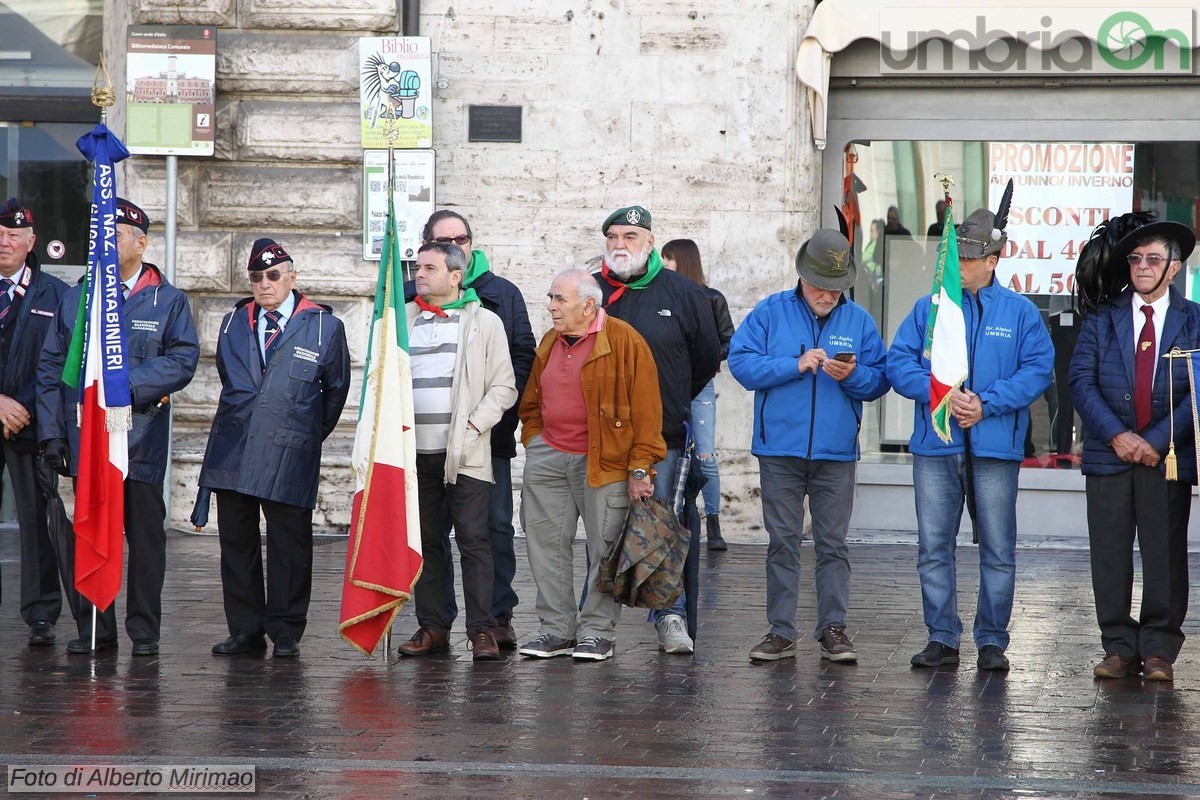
(383, 560)
(946, 333)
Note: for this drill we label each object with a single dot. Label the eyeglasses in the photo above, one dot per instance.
(273, 276)
(458, 240)
(1153, 261)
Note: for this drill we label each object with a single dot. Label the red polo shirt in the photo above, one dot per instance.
(564, 412)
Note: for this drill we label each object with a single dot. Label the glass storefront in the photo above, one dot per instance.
(1064, 189)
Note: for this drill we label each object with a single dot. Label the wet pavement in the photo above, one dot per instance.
(332, 724)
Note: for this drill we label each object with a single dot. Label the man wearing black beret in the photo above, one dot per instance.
(28, 299)
(162, 351)
(285, 375)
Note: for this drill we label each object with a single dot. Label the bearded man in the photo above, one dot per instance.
(673, 315)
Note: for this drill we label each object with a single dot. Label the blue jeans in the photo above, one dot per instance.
(940, 483)
(504, 557)
(704, 429)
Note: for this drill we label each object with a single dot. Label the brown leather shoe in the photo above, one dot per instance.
(425, 642)
(506, 637)
(1116, 665)
(1158, 668)
(484, 645)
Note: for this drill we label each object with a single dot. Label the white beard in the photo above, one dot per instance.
(626, 266)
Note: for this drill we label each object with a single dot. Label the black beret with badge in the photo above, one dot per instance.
(265, 254)
(15, 215)
(636, 216)
(129, 214)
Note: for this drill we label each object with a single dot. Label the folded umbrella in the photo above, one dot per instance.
(62, 534)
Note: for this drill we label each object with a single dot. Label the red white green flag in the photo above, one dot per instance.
(946, 333)
(383, 560)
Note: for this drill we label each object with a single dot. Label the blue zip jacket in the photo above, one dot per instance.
(801, 414)
(1102, 373)
(21, 346)
(1011, 363)
(162, 352)
(270, 424)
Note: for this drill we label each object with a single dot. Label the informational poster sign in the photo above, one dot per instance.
(395, 91)
(170, 89)
(1061, 192)
(413, 187)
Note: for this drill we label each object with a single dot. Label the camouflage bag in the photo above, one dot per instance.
(644, 566)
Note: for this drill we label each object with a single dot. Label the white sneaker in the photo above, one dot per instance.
(672, 635)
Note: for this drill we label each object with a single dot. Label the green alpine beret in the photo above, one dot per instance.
(630, 215)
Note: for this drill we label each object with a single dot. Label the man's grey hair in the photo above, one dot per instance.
(1173, 251)
(585, 284)
(456, 259)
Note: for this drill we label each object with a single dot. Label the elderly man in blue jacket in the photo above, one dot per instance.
(1011, 363)
(811, 357)
(162, 348)
(285, 374)
(1122, 390)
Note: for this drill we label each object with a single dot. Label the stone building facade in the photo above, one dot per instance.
(691, 109)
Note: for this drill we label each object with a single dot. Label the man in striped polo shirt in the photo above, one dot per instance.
(462, 384)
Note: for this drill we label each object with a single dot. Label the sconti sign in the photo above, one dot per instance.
(1105, 39)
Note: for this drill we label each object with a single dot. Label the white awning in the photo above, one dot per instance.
(836, 24)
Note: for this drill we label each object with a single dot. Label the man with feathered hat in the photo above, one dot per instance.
(1011, 362)
(1139, 450)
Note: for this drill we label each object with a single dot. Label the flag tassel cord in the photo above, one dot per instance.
(1170, 463)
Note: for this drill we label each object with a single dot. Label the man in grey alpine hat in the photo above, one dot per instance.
(1011, 364)
(841, 364)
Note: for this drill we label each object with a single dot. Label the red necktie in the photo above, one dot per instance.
(1143, 374)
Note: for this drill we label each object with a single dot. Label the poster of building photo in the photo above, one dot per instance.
(413, 188)
(395, 91)
(170, 89)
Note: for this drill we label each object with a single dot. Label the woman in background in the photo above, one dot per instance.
(683, 256)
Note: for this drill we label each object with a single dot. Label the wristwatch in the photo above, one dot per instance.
(639, 474)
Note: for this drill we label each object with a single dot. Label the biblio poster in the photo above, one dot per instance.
(395, 91)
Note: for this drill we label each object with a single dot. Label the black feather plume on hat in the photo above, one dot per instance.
(842, 224)
(1098, 278)
(1002, 211)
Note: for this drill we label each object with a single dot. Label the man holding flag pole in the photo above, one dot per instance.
(973, 356)
(123, 341)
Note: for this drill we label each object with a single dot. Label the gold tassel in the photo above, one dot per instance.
(1172, 464)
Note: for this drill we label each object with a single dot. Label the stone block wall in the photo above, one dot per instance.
(691, 109)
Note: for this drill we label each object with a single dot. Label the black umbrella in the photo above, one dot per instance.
(62, 532)
(689, 481)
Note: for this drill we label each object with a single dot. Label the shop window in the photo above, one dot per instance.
(1063, 190)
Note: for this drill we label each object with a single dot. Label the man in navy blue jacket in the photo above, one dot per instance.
(812, 357)
(29, 299)
(1011, 363)
(162, 352)
(1122, 390)
(285, 375)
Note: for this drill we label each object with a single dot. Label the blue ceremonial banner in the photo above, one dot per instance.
(102, 289)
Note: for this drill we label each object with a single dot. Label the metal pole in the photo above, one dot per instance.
(169, 265)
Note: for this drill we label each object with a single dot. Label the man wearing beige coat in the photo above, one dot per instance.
(462, 383)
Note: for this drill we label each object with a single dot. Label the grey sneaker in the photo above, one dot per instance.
(672, 635)
(772, 648)
(593, 648)
(836, 646)
(548, 646)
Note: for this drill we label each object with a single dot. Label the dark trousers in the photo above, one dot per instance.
(504, 554)
(283, 609)
(1144, 503)
(147, 540)
(466, 503)
(41, 600)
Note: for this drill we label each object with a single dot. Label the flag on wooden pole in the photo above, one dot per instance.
(946, 333)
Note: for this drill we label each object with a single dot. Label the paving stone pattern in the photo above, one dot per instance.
(643, 725)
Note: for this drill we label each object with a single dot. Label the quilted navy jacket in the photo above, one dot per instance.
(1101, 378)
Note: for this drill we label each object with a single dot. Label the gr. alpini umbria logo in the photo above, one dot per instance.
(1111, 40)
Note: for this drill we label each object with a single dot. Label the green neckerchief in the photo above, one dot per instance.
(654, 266)
(468, 296)
(478, 266)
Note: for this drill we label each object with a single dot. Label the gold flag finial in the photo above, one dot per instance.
(945, 179)
(103, 96)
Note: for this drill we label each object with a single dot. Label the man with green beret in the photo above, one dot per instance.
(673, 315)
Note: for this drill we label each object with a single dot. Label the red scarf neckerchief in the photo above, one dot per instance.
(430, 307)
(620, 288)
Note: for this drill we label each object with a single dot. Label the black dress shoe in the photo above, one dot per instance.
(992, 658)
(286, 647)
(83, 646)
(145, 647)
(935, 654)
(41, 634)
(240, 643)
